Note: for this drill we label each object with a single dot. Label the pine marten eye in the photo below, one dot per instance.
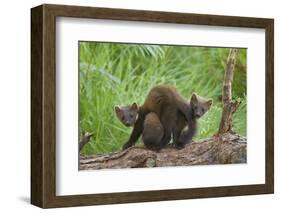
(123, 117)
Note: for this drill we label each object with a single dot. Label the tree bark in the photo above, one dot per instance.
(227, 148)
(229, 106)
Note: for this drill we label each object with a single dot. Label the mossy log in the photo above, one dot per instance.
(226, 148)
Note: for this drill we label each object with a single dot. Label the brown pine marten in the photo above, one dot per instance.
(153, 131)
(166, 102)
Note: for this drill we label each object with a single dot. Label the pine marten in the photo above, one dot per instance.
(166, 102)
(153, 131)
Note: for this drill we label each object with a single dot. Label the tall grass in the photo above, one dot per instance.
(120, 74)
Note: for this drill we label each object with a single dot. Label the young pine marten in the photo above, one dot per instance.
(153, 131)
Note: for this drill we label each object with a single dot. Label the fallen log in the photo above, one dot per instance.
(227, 148)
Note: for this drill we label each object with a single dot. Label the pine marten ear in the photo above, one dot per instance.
(194, 99)
(117, 110)
(209, 102)
(134, 107)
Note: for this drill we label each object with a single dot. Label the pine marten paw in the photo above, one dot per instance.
(180, 146)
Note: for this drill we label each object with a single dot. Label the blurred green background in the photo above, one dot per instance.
(120, 74)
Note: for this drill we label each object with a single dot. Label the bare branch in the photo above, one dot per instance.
(229, 106)
(84, 139)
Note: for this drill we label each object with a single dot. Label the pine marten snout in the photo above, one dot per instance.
(127, 114)
(199, 105)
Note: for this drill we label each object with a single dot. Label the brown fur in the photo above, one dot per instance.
(161, 115)
(153, 130)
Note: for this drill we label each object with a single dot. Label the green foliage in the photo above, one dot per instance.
(120, 74)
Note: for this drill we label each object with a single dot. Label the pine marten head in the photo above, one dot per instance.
(200, 105)
(127, 114)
